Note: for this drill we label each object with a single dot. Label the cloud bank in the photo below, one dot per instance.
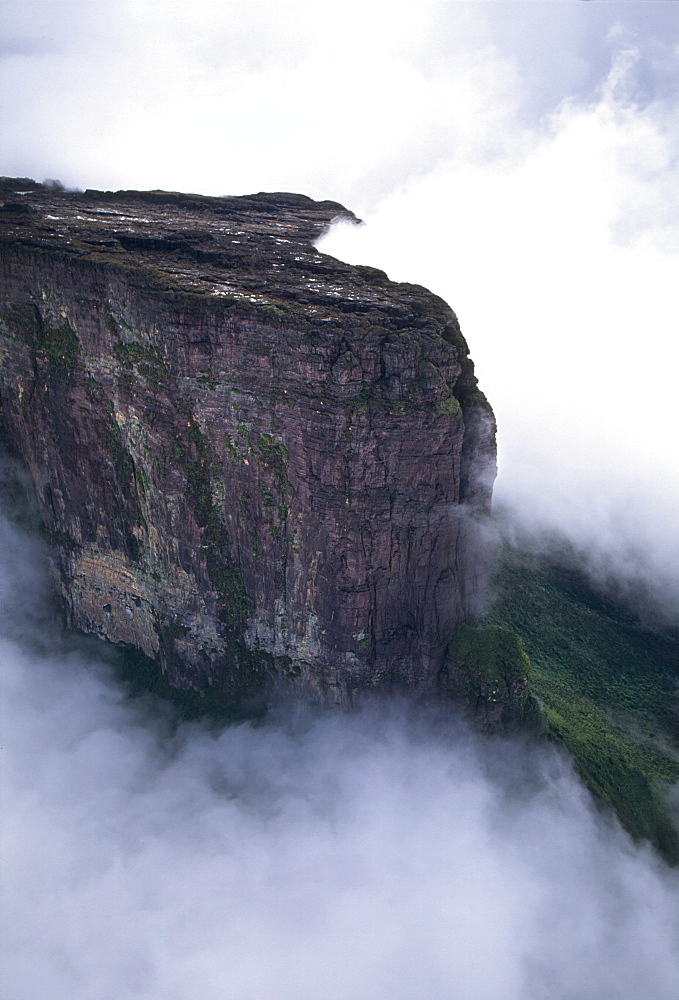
(384, 853)
(559, 257)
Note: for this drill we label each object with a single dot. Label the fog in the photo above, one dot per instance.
(519, 159)
(386, 853)
(560, 258)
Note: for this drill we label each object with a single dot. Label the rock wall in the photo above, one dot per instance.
(255, 463)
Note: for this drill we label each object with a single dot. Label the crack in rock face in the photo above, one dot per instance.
(258, 466)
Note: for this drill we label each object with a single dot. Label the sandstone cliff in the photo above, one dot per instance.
(255, 463)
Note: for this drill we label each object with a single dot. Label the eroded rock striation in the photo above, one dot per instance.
(255, 463)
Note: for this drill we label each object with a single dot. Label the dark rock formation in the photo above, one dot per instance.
(255, 463)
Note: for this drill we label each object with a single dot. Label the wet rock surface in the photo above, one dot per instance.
(255, 463)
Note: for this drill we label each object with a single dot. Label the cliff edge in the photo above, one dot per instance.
(255, 463)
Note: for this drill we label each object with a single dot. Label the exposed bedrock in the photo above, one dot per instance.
(255, 463)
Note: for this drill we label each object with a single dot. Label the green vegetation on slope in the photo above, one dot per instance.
(489, 670)
(607, 686)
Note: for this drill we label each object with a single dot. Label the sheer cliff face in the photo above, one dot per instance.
(255, 463)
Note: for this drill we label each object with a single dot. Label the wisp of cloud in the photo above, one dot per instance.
(385, 853)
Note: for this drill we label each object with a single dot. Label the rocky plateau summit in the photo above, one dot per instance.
(257, 465)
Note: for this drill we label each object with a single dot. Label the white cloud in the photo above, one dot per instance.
(560, 259)
(369, 855)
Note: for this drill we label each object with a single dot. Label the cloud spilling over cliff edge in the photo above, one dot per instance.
(368, 855)
(559, 257)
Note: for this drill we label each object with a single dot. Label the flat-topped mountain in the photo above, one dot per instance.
(255, 463)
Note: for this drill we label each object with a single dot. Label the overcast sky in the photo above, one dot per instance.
(518, 158)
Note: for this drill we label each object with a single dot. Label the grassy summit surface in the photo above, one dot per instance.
(607, 684)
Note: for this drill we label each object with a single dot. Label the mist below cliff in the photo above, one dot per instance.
(382, 853)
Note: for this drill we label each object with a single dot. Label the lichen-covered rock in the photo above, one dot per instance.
(256, 463)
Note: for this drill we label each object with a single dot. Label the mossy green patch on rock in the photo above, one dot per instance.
(123, 464)
(489, 670)
(449, 407)
(146, 361)
(23, 321)
(58, 342)
(274, 455)
(95, 391)
(127, 515)
(494, 654)
(225, 575)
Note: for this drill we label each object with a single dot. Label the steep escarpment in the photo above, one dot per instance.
(256, 464)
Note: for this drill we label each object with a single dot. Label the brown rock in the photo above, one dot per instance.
(257, 464)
